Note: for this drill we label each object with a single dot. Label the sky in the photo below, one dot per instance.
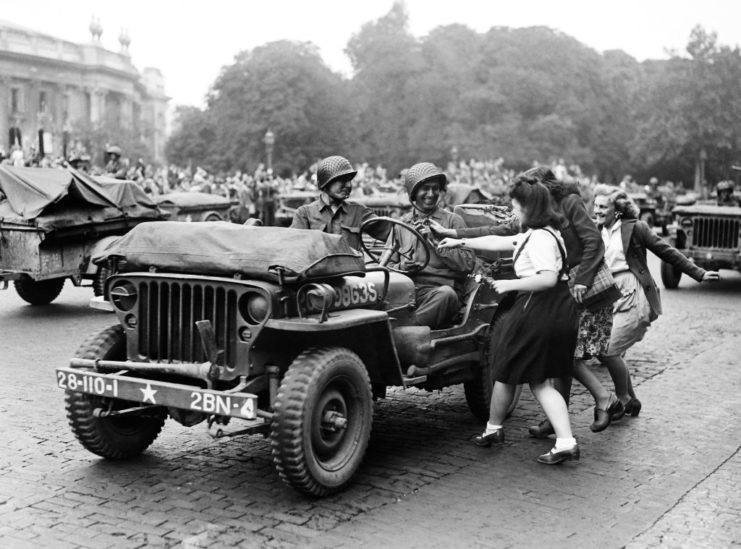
(189, 41)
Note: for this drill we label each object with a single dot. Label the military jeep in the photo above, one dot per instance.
(709, 235)
(287, 330)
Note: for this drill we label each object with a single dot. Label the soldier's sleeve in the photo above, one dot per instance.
(300, 220)
(457, 259)
(380, 230)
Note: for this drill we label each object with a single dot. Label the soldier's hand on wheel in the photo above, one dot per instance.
(439, 230)
(579, 290)
(713, 276)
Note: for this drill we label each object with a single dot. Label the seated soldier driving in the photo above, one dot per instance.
(439, 286)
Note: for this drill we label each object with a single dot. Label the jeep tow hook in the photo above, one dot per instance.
(334, 421)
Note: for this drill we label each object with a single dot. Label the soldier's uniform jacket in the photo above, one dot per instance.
(448, 266)
(345, 221)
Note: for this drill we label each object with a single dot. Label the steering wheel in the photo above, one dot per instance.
(381, 252)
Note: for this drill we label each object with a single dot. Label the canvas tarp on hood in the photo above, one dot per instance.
(225, 249)
(51, 198)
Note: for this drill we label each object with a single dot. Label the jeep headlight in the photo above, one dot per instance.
(254, 307)
(123, 295)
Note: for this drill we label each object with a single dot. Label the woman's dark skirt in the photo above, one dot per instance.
(536, 338)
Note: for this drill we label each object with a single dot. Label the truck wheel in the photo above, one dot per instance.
(38, 292)
(111, 437)
(670, 275)
(101, 275)
(322, 420)
(478, 390)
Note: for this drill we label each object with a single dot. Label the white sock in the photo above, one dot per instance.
(490, 428)
(564, 444)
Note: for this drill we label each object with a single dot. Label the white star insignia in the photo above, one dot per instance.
(148, 393)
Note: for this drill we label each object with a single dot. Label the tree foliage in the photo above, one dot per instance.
(530, 94)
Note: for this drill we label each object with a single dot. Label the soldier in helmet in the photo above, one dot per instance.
(115, 167)
(332, 212)
(439, 286)
(725, 194)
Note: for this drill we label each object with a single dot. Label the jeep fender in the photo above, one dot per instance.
(364, 331)
(96, 248)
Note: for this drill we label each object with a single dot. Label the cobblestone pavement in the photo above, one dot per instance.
(669, 478)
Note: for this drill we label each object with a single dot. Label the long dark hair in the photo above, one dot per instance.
(536, 201)
(557, 188)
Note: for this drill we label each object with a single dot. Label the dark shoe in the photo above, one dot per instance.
(485, 440)
(616, 410)
(541, 430)
(554, 458)
(633, 407)
(603, 418)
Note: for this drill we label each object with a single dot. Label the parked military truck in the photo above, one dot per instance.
(288, 331)
(709, 235)
(52, 221)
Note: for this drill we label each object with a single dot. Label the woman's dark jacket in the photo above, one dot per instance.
(583, 240)
(637, 238)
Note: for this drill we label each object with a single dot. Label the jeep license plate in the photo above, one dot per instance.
(159, 393)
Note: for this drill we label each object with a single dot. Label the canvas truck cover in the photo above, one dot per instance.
(225, 249)
(53, 198)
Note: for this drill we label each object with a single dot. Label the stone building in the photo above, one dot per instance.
(52, 89)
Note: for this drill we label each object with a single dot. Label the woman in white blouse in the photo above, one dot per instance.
(536, 338)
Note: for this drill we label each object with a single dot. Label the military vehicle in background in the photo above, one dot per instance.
(53, 221)
(194, 206)
(709, 235)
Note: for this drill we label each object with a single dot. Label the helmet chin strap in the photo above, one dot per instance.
(439, 199)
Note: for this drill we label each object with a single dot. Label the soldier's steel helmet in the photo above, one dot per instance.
(421, 173)
(114, 149)
(724, 186)
(334, 168)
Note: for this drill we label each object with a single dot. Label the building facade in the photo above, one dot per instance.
(54, 92)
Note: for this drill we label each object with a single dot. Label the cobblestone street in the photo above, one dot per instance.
(668, 478)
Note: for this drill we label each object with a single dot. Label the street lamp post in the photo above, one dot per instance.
(269, 141)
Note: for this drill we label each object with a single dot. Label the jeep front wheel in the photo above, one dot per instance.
(112, 437)
(39, 292)
(670, 275)
(322, 420)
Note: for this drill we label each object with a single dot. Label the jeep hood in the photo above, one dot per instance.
(226, 249)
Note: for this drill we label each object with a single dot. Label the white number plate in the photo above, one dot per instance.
(159, 393)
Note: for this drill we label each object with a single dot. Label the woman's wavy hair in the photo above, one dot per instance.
(625, 208)
(558, 189)
(536, 201)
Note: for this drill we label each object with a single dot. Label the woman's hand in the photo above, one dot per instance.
(439, 230)
(579, 290)
(503, 286)
(450, 243)
(713, 276)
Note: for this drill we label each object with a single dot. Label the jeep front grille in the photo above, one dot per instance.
(715, 232)
(168, 311)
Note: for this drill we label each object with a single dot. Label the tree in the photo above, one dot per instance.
(193, 140)
(285, 87)
(693, 110)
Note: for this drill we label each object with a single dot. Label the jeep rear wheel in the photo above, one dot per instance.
(111, 437)
(478, 390)
(39, 292)
(670, 275)
(322, 421)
